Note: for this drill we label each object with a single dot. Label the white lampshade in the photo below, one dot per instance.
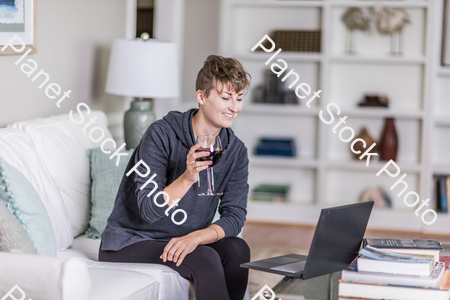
(146, 69)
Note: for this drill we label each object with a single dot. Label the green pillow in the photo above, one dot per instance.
(19, 196)
(105, 181)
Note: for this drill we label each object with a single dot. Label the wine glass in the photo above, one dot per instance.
(213, 145)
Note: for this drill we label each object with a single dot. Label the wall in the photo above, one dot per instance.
(168, 26)
(74, 40)
(201, 38)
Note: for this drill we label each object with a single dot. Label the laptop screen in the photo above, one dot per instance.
(337, 239)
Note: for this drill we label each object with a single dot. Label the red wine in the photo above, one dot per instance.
(214, 156)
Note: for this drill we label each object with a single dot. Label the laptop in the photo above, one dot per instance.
(336, 242)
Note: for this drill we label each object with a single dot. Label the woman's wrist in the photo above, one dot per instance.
(217, 233)
(198, 237)
(186, 180)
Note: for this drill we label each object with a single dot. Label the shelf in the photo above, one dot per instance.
(442, 121)
(378, 59)
(441, 169)
(272, 3)
(440, 226)
(404, 4)
(286, 162)
(381, 112)
(288, 212)
(389, 219)
(443, 72)
(298, 213)
(375, 166)
(280, 109)
(289, 56)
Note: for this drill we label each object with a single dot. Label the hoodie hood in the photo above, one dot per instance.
(181, 123)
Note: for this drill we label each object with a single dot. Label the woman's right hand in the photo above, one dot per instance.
(194, 167)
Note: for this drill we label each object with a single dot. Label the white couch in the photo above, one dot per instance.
(75, 273)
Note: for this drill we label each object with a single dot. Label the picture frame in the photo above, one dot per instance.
(18, 17)
(445, 52)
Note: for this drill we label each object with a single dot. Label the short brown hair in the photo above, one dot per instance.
(224, 70)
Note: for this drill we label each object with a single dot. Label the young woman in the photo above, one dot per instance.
(141, 228)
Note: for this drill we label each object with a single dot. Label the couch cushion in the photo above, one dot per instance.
(44, 278)
(13, 237)
(171, 284)
(108, 284)
(106, 177)
(63, 145)
(18, 194)
(16, 148)
(87, 245)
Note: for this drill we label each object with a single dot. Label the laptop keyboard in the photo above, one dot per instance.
(291, 268)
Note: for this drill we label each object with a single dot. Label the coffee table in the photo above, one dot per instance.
(319, 288)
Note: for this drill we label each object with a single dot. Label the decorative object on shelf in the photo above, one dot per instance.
(445, 55)
(354, 19)
(364, 135)
(295, 40)
(389, 141)
(274, 87)
(18, 18)
(375, 101)
(379, 196)
(390, 21)
(273, 91)
(276, 147)
(270, 193)
(141, 68)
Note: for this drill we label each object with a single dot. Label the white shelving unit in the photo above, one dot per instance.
(438, 118)
(325, 174)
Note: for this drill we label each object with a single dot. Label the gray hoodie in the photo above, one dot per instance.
(164, 148)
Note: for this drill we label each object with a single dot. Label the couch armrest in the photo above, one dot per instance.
(43, 278)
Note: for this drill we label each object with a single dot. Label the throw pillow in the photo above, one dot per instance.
(17, 193)
(106, 178)
(13, 237)
(63, 146)
(17, 149)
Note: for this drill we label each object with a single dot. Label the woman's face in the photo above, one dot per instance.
(221, 109)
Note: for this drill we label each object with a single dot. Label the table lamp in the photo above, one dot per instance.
(141, 68)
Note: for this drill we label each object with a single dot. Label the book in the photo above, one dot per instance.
(375, 260)
(396, 292)
(353, 274)
(437, 194)
(446, 260)
(443, 193)
(447, 181)
(406, 246)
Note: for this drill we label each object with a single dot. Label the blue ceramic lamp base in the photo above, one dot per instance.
(136, 121)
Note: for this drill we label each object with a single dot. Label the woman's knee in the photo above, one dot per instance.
(206, 256)
(236, 246)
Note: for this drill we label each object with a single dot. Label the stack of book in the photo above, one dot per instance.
(276, 146)
(381, 274)
(270, 192)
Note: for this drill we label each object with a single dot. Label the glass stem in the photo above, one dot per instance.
(208, 174)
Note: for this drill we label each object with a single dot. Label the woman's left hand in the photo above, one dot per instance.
(177, 249)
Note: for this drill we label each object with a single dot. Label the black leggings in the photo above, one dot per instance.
(213, 267)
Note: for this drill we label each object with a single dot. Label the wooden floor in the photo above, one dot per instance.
(300, 236)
